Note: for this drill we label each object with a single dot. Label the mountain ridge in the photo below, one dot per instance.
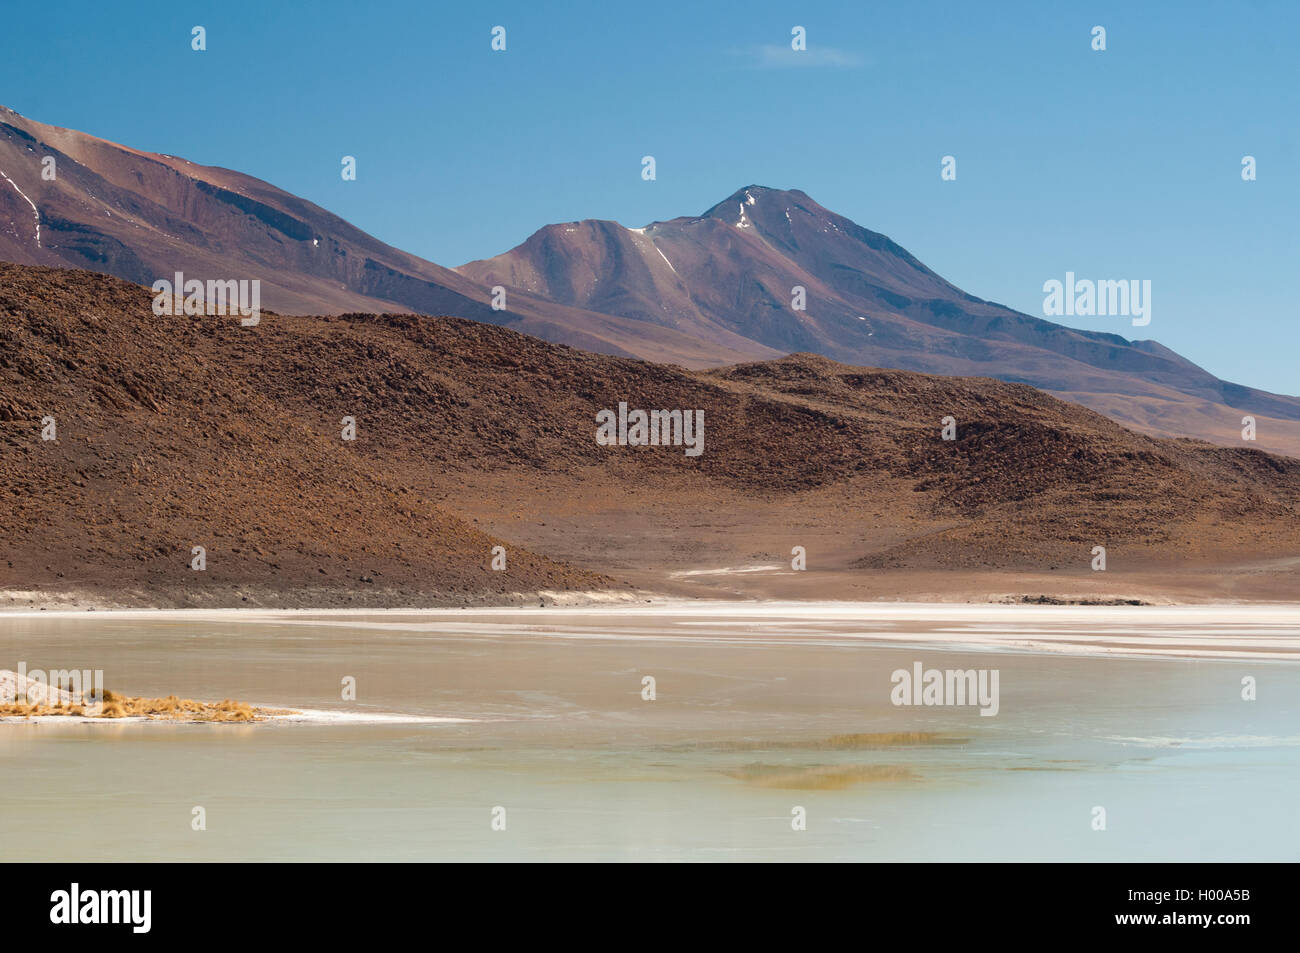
(736, 268)
(141, 216)
(699, 291)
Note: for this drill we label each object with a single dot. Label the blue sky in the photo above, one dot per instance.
(1117, 164)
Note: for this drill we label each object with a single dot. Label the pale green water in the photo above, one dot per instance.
(587, 770)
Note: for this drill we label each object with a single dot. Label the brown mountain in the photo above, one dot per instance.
(144, 216)
(730, 272)
(180, 431)
(700, 291)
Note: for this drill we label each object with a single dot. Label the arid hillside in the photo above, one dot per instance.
(175, 432)
(166, 440)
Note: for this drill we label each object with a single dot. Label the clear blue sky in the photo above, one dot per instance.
(1122, 164)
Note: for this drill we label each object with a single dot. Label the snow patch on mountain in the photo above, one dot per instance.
(35, 210)
(664, 257)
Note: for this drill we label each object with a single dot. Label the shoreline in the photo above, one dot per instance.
(735, 581)
(1250, 633)
(823, 608)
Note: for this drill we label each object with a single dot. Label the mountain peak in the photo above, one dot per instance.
(769, 210)
(758, 191)
(751, 195)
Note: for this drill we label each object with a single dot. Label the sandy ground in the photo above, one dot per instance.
(757, 575)
(682, 546)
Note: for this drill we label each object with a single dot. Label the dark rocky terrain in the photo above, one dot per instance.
(182, 431)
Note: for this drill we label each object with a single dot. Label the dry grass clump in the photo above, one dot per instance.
(175, 708)
(171, 708)
(24, 710)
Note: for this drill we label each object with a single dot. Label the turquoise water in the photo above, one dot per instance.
(746, 727)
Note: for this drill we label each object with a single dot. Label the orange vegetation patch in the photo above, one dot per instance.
(170, 708)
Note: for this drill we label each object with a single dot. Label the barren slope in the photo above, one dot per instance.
(144, 216)
(167, 440)
(174, 432)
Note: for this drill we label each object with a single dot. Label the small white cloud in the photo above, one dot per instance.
(781, 57)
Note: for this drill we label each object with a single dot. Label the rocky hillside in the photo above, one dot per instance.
(175, 432)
